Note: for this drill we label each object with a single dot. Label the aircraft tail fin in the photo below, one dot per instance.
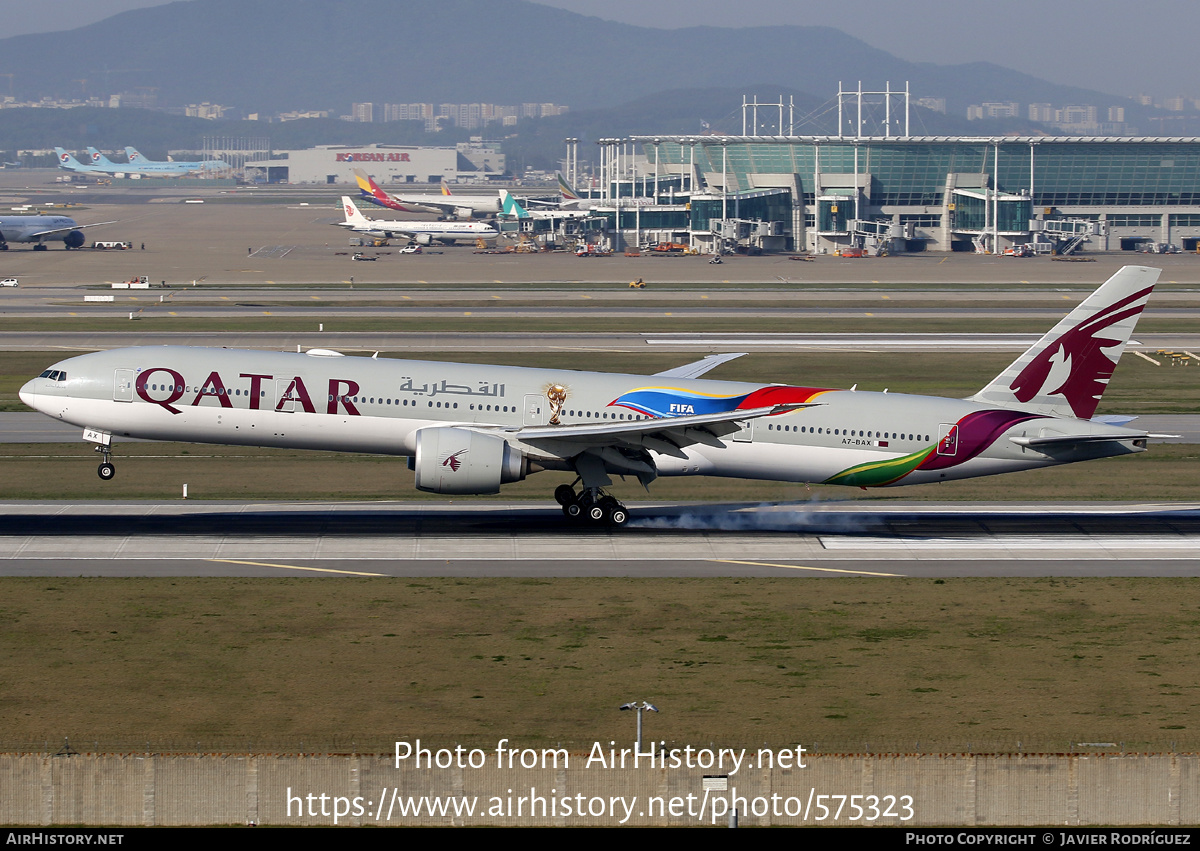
(65, 160)
(1065, 373)
(98, 158)
(353, 215)
(446, 189)
(133, 154)
(510, 207)
(369, 188)
(565, 192)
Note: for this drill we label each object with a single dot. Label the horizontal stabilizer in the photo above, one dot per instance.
(1114, 419)
(698, 368)
(1060, 439)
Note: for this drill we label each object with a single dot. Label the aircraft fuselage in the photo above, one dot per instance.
(310, 401)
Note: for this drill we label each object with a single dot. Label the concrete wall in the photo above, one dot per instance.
(945, 790)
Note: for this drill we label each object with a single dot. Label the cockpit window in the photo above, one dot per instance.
(54, 375)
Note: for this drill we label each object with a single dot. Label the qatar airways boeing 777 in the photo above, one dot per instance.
(469, 429)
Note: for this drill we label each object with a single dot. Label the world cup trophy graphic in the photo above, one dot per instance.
(557, 394)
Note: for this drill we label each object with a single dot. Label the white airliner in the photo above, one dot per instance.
(40, 229)
(138, 160)
(445, 204)
(469, 429)
(421, 232)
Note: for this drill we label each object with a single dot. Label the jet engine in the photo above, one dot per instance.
(74, 239)
(460, 461)
(423, 239)
(464, 213)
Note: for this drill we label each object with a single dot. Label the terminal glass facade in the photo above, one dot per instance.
(914, 173)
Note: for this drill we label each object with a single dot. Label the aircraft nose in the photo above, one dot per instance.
(27, 394)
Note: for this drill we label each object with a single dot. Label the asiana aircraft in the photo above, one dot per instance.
(470, 429)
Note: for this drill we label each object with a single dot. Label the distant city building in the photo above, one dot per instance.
(1011, 109)
(465, 116)
(1043, 112)
(936, 104)
(296, 116)
(211, 111)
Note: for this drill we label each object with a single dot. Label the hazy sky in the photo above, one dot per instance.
(1112, 45)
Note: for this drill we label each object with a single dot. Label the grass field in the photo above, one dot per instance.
(835, 664)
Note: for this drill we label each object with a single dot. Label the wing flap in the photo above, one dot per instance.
(672, 429)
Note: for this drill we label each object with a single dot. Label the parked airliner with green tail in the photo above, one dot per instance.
(470, 429)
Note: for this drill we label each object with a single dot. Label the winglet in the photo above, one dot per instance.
(1065, 373)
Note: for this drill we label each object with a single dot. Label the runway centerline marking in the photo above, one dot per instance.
(294, 567)
(804, 567)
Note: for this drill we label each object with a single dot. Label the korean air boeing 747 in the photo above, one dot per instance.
(470, 429)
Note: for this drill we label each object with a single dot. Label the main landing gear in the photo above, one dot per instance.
(106, 470)
(592, 505)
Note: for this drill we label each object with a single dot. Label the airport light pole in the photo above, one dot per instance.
(644, 706)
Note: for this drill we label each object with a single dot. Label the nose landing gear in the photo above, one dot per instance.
(106, 470)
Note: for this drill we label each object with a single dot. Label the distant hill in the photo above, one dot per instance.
(276, 55)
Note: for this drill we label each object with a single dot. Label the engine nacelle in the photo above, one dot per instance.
(457, 460)
(74, 239)
(464, 213)
(423, 239)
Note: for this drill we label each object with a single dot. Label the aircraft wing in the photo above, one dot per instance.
(666, 435)
(69, 228)
(698, 368)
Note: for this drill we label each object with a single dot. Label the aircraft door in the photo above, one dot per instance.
(746, 434)
(535, 405)
(947, 439)
(123, 385)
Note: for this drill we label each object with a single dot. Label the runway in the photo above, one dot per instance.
(477, 538)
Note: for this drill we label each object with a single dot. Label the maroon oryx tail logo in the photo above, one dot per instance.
(453, 461)
(1075, 366)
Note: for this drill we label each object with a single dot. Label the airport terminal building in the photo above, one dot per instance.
(917, 193)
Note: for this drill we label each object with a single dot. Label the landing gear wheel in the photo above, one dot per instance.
(618, 516)
(595, 513)
(106, 471)
(614, 512)
(41, 246)
(573, 510)
(564, 495)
